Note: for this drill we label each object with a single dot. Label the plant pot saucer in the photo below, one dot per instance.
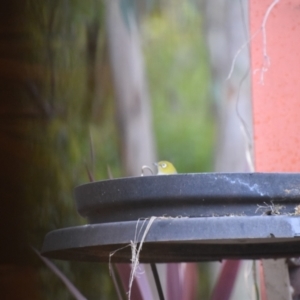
(179, 240)
(199, 217)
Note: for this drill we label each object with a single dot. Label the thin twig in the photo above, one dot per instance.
(254, 272)
(116, 283)
(90, 174)
(70, 286)
(266, 59)
(157, 281)
(146, 168)
(238, 53)
(244, 127)
(92, 153)
(109, 172)
(136, 254)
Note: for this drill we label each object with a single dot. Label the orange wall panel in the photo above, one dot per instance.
(276, 100)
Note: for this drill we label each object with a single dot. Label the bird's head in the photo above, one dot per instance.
(165, 168)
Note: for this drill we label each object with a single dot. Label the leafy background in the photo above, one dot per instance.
(63, 114)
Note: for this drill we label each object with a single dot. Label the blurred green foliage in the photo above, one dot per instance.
(179, 80)
(74, 127)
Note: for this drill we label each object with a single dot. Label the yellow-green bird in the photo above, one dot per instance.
(165, 168)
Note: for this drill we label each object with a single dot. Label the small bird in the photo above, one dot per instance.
(165, 168)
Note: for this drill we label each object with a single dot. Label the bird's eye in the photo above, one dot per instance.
(163, 165)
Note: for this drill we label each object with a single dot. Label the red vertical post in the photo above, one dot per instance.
(275, 65)
(276, 91)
